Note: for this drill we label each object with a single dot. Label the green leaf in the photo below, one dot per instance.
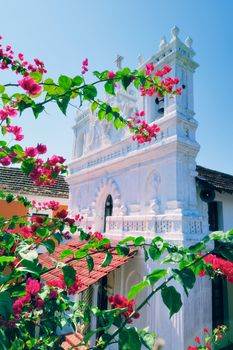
(142, 80)
(186, 277)
(48, 85)
(176, 257)
(5, 305)
(37, 109)
(109, 87)
(197, 248)
(63, 103)
(66, 252)
(122, 250)
(156, 248)
(4, 130)
(118, 123)
(154, 252)
(2, 89)
(97, 74)
(126, 80)
(65, 82)
(137, 288)
(22, 105)
(9, 198)
(136, 83)
(90, 263)
(83, 235)
(101, 114)
(4, 345)
(155, 276)
(226, 250)
(89, 92)
(58, 237)
(79, 254)
(77, 81)
(109, 116)
(37, 76)
(87, 336)
(3, 143)
(129, 339)
(146, 255)
(27, 166)
(4, 259)
(139, 240)
(107, 260)
(18, 150)
(31, 266)
(50, 245)
(73, 229)
(147, 339)
(69, 275)
(127, 239)
(51, 88)
(5, 99)
(216, 235)
(172, 299)
(94, 105)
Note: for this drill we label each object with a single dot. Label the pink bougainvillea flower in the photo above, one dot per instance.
(21, 56)
(33, 286)
(39, 304)
(56, 159)
(5, 161)
(59, 283)
(31, 151)
(111, 74)
(26, 232)
(29, 84)
(197, 340)
(41, 149)
(120, 302)
(19, 304)
(84, 66)
(62, 214)
(53, 294)
(149, 68)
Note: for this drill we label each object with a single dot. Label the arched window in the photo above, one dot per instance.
(108, 209)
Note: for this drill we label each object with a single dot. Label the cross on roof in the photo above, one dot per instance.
(118, 61)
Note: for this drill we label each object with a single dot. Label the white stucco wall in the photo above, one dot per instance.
(153, 188)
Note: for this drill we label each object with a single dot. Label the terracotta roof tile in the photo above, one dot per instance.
(72, 340)
(86, 277)
(14, 180)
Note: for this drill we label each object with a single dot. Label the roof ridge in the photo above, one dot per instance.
(215, 171)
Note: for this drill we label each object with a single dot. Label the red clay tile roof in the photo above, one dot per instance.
(87, 278)
(72, 340)
(14, 180)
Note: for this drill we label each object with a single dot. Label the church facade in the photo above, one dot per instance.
(125, 188)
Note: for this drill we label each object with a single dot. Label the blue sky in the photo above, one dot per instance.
(62, 33)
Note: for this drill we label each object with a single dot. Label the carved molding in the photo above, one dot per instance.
(107, 186)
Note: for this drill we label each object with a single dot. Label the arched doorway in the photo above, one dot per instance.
(107, 209)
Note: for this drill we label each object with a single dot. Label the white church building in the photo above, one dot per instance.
(125, 188)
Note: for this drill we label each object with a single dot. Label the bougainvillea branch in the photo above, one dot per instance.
(32, 310)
